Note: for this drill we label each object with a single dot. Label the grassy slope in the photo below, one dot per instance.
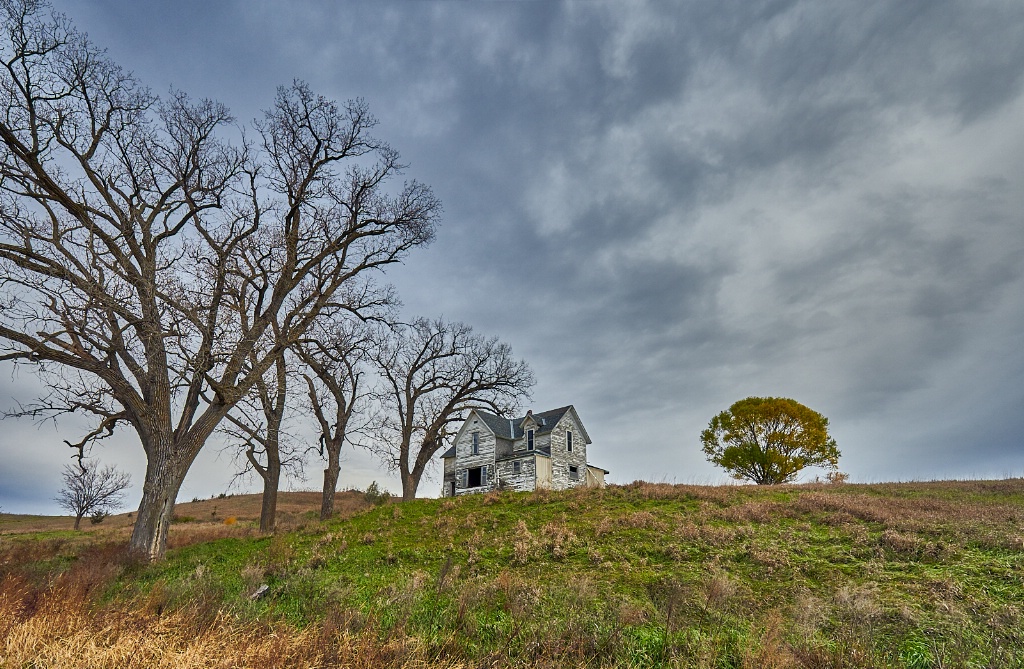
(897, 575)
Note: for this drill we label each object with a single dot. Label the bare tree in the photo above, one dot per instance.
(91, 490)
(334, 361)
(143, 258)
(257, 424)
(433, 372)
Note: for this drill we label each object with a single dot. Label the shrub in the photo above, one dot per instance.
(376, 495)
(837, 477)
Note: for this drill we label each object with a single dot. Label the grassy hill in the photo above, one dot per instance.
(897, 575)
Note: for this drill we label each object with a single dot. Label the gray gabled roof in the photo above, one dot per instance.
(512, 428)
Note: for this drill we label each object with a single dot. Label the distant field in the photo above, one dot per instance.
(908, 576)
(291, 507)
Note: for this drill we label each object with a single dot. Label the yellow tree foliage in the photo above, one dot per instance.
(769, 440)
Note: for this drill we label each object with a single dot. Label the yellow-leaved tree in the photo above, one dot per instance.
(769, 440)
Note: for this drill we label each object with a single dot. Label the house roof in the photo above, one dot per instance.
(521, 455)
(512, 428)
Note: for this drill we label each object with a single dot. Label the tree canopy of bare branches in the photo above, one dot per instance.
(433, 372)
(89, 489)
(143, 257)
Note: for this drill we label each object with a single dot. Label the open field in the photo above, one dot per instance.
(910, 575)
(292, 508)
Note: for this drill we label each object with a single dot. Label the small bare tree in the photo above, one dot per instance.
(90, 490)
(433, 372)
(334, 362)
(257, 425)
(143, 259)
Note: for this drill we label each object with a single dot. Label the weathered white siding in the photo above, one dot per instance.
(540, 441)
(561, 459)
(466, 460)
(503, 448)
(525, 480)
(449, 477)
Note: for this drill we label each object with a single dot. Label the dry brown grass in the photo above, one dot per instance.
(12, 524)
(55, 621)
(966, 511)
(293, 509)
(291, 506)
(60, 637)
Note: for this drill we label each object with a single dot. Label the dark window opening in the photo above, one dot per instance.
(574, 472)
(529, 440)
(473, 478)
(476, 443)
(568, 441)
(517, 467)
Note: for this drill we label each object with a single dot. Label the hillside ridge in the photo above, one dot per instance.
(865, 575)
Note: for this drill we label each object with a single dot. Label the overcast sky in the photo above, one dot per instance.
(665, 207)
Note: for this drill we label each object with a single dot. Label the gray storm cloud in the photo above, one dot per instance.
(666, 207)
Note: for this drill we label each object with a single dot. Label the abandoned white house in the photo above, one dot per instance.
(543, 450)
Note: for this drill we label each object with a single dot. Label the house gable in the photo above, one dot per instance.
(473, 455)
(473, 422)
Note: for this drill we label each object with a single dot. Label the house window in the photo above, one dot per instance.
(517, 467)
(574, 473)
(476, 443)
(568, 441)
(474, 477)
(529, 440)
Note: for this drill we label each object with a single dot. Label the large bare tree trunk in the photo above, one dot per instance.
(333, 448)
(153, 520)
(271, 484)
(410, 482)
(167, 462)
(272, 472)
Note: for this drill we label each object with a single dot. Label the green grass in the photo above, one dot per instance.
(899, 575)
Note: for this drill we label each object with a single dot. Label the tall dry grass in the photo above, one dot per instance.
(61, 635)
(59, 621)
